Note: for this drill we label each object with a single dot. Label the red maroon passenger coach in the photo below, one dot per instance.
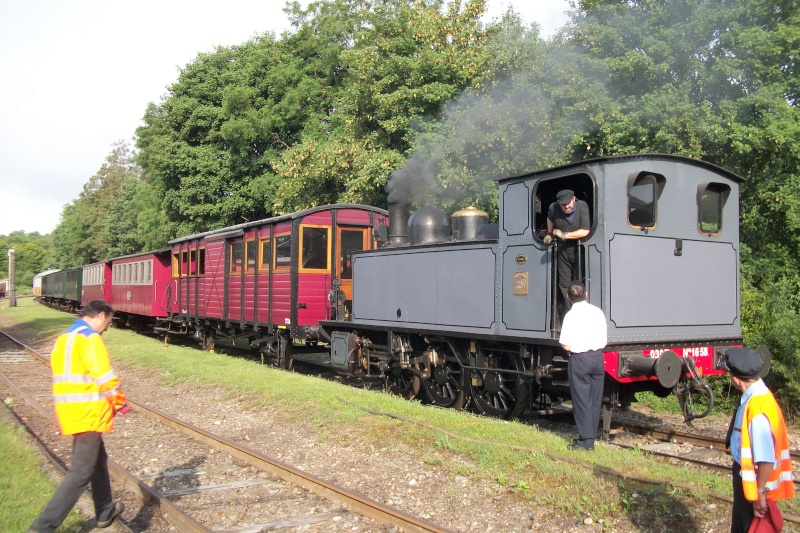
(265, 284)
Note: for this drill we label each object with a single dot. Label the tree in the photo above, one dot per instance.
(33, 254)
(397, 64)
(716, 80)
(210, 146)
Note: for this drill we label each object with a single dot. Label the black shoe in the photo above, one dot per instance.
(575, 446)
(115, 512)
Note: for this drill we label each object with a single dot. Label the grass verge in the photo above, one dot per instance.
(24, 488)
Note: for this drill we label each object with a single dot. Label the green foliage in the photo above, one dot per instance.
(33, 253)
(717, 81)
(209, 147)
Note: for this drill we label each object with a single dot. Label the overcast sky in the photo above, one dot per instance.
(77, 76)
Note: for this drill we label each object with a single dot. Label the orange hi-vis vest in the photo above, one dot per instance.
(86, 391)
(781, 481)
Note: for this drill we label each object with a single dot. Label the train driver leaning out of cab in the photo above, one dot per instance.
(568, 221)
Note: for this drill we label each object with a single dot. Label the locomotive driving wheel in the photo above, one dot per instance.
(447, 386)
(402, 382)
(499, 394)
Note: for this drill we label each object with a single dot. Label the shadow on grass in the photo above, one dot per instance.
(652, 507)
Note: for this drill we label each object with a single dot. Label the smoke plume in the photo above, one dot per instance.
(412, 181)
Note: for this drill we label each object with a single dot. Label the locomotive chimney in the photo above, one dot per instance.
(398, 223)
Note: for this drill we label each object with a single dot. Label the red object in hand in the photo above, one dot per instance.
(124, 409)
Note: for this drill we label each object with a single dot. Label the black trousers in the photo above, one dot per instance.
(87, 466)
(742, 511)
(568, 271)
(586, 378)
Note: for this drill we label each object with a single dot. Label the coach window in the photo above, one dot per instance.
(201, 262)
(644, 189)
(282, 252)
(237, 256)
(350, 240)
(314, 245)
(176, 265)
(192, 263)
(251, 253)
(184, 264)
(264, 257)
(711, 198)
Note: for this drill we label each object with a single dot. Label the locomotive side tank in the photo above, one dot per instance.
(478, 319)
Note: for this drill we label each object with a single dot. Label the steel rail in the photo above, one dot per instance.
(351, 500)
(680, 436)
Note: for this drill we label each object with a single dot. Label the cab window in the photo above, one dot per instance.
(642, 202)
(545, 195)
(711, 198)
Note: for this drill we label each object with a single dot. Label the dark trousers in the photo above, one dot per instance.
(87, 466)
(568, 271)
(742, 510)
(586, 378)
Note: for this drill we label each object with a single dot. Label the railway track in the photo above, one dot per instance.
(676, 446)
(179, 476)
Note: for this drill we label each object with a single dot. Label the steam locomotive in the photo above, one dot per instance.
(471, 313)
(458, 310)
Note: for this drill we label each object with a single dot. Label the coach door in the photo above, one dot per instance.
(350, 240)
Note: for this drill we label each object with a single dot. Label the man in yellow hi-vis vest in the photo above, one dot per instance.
(759, 445)
(87, 395)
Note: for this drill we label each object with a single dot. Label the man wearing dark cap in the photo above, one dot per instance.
(759, 445)
(567, 221)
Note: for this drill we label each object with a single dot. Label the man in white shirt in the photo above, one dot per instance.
(584, 334)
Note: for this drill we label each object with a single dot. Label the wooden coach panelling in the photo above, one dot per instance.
(214, 285)
(253, 273)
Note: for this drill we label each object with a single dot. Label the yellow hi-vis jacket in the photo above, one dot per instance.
(86, 390)
(781, 481)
